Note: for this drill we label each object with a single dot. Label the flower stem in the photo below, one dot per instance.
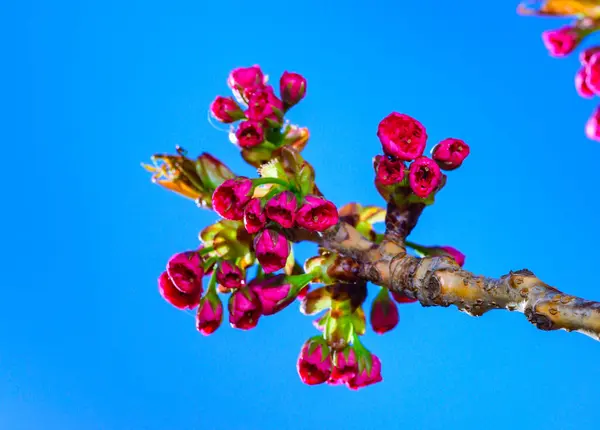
(265, 181)
(206, 250)
(212, 284)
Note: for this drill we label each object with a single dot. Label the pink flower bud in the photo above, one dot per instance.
(245, 80)
(254, 216)
(424, 176)
(586, 55)
(174, 296)
(230, 198)
(450, 153)
(388, 172)
(314, 362)
(562, 41)
(292, 87)
(273, 293)
(272, 250)
(230, 276)
(282, 209)
(186, 271)
(592, 74)
(592, 127)
(250, 134)
(345, 367)
(210, 313)
(365, 377)
(244, 309)
(384, 313)
(317, 214)
(402, 136)
(581, 85)
(402, 298)
(226, 110)
(265, 106)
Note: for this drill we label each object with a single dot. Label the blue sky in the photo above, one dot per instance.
(91, 89)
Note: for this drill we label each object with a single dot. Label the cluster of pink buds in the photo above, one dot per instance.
(181, 285)
(259, 111)
(248, 255)
(563, 41)
(267, 218)
(404, 139)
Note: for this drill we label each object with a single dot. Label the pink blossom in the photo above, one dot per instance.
(244, 309)
(292, 87)
(345, 367)
(388, 172)
(245, 80)
(366, 378)
(282, 209)
(586, 55)
(273, 293)
(317, 214)
(254, 216)
(250, 134)
(562, 41)
(272, 250)
(263, 105)
(210, 314)
(230, 276)
(450, 153)
(314, 362)
(226, 110)
(402, 136)
(384, 313)
(230, 198)
(185, 270)
(424, 176)
(581, 85)
(174, 296)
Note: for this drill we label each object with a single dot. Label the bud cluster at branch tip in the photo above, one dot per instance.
(248, 254)
(404, 139)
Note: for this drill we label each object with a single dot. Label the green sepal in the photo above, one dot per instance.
(364, 358)
(315, 342)
(338, 331)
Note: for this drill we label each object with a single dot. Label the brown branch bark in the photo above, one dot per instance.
(439, 281)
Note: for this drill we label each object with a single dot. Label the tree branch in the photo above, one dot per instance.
(439, 281)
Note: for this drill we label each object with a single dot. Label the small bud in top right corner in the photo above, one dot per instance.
(561, 42)
(292, 88)
(450, 153)
(424, 176)
(592, 126)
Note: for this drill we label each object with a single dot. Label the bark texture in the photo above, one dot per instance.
(439, 281)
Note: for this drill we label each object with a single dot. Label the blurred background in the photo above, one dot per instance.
(91, 89)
